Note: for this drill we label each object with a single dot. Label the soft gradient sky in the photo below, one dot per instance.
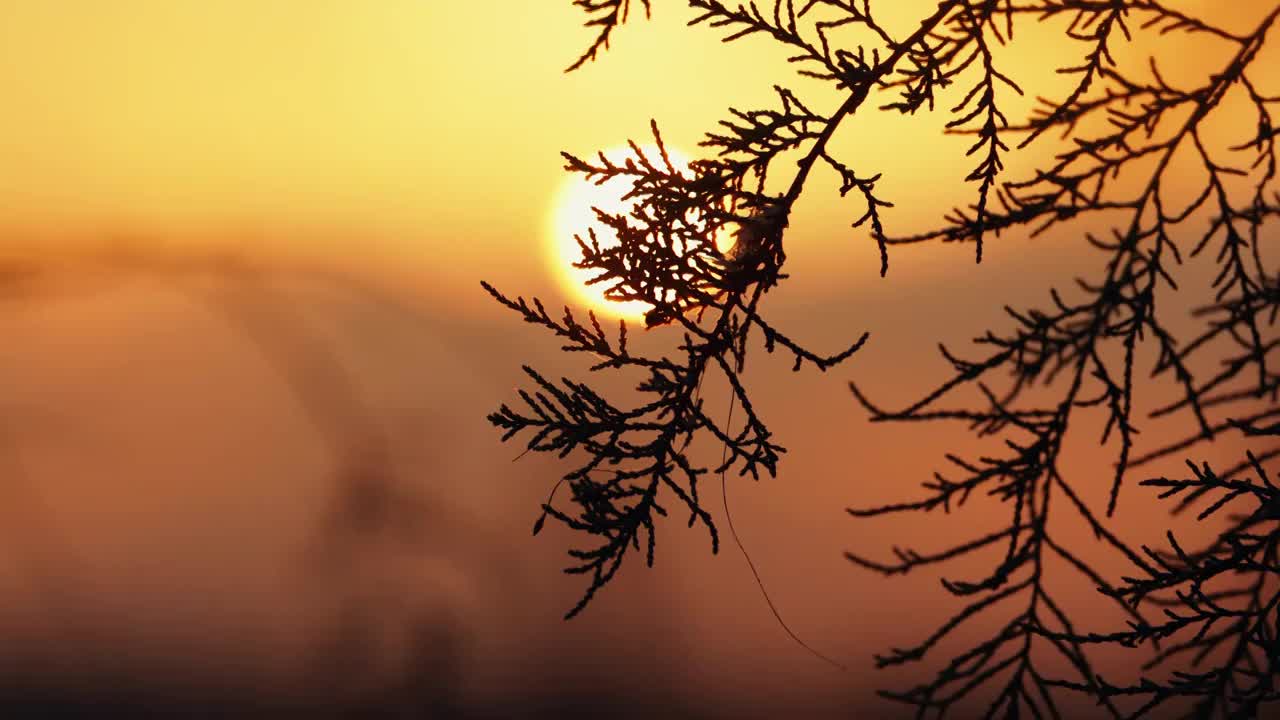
(429, 130)
(179, 440)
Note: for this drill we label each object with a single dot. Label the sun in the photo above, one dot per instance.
(573, 214)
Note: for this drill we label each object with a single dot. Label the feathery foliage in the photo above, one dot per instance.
(1124, 134)
(1218, 603)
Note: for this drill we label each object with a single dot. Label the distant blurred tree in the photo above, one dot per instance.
(1124, 131)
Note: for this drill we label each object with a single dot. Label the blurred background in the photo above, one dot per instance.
(244, 462)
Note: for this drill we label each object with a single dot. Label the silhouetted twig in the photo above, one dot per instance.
(1030, 384)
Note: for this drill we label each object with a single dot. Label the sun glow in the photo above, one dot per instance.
(574, 215)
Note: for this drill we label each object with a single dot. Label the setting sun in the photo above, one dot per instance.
(574, 214)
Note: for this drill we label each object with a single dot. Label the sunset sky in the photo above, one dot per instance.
(175, 468)
(431, 130)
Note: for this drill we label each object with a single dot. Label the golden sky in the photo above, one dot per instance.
(424, 132)
(427, 132)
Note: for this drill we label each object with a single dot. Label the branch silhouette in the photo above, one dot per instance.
(1126, 138)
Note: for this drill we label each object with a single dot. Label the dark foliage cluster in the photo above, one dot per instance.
(667, 257)
(1129, 141)
(1219, 603)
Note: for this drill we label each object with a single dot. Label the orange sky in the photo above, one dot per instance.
(420, 139)
(425, 132)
